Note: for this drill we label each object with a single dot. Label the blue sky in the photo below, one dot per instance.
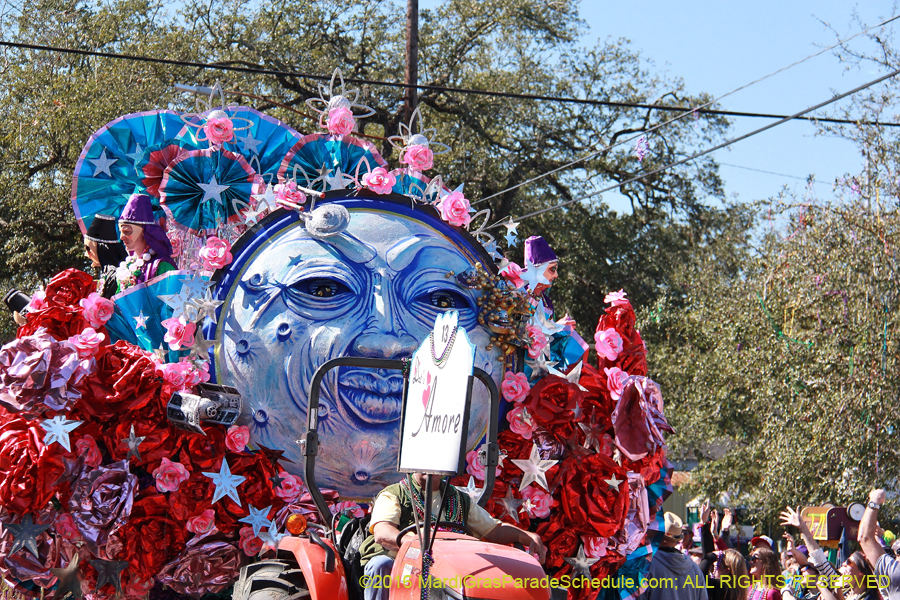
(717, 47)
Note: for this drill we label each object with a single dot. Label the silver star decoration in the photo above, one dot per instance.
(511, 240)
(511, 226)
(109, 571)
(613, 482)
(578, 412)
(267, 197)
(102, 164)
(473, 492)
(201, 346)
(226, 484)
(25, 535)
(176, 302)
(162, 352)
(140, 321)
(195, 286)
(206, 307)
(250, 144)
(491, 249)
(133, 443)
(136, 155)
(574, 376)
(251, 217)
(58, 429)
(271, 537)
(212, 190)
(534, 469)
(511, 504)
(69, 586)
(257, 519)
(593, 433)
(581, 564)
(541, 366)
(533, 275)
(338, 181)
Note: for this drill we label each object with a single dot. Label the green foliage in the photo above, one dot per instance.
(780, 364)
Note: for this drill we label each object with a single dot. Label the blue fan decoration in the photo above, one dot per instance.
(326, 162)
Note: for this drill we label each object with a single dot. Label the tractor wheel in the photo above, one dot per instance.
(270, 580)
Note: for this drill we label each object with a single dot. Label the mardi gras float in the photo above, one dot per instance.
(151, 422)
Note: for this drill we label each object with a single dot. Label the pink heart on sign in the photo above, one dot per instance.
(425, 395)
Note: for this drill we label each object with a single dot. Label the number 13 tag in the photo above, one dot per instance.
(444, 326)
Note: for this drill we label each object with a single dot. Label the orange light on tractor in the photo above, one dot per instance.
(296, 524)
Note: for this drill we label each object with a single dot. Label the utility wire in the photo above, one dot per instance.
(681, 116)
(704, 152)
(772, 173)
(438, 88)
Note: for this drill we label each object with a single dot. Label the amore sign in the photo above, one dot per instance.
(436, 407)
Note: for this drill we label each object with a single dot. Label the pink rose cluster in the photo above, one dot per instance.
(216, 254)
(475, 467)
(380, 180)
(538, 341)
(219, 130)
(418, 157)
(249, 543)
(179, 332)
(515, 386)
(202, 523)
(615, 382)
(340, 121)
(513, 274)
(288, 196)
(170, 475)
(539, 501)
(291, 487)
(97, 310)
(454, 209)
(237, 437)
(521, 422)
(183, 374)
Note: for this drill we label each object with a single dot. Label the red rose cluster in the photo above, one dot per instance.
(152, 508)
(594, 487)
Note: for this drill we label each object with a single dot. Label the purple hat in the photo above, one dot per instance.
(139, 211)
(538, 251)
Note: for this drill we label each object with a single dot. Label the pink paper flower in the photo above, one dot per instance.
(351, 508)
(608, 343)
(37, 301)
(87, 447)
(219, 130)
(615, 382)
(617, 298)
(475, 467)
(513, 274)
(540, 503)
(340, 121)
(179, 332)
(515, 386)
(249, 543)
(237, 437)
(97, 309)
(594, 547)
(202, 523)
(178, 375)
(380, 180)
(169, 475)
(202, 371)
(521, 422)
(288, 196)
(177, 245)
(87, 342)
(291, 488)
(538, 341)
(455, 209)
(216, 254)
(418, 157)
(65, 526)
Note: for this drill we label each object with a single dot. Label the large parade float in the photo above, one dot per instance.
(155, 431)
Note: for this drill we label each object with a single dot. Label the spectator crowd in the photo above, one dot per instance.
(714, 570)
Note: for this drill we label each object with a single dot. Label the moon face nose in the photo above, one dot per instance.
(385, 344)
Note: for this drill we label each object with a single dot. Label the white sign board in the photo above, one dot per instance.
(436, 407)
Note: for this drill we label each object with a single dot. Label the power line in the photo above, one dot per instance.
(704, 152)
(772, 173)
(681, 116)
(438, 88)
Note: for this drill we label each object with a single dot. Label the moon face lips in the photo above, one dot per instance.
(373, 397)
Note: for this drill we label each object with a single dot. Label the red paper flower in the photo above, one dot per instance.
(68, 287)
(60, 322)
(192, 498)
(552, 403)
(28, 468)
(561, 542)
(149, 539)
(124, 383)
(588, 503)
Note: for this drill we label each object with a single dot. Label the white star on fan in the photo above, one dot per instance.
(205, 307)
(102, 164)
(212, 190)
(249, 143)
(267, 197)
(194, 286)
(138, 152)
(176, 302)
(534, 469)
(140, 321)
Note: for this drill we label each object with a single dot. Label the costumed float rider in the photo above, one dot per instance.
(393, 511)
(541, 270)
(106, 253)
(149, 249)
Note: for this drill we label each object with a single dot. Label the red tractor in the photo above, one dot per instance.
(316, 563)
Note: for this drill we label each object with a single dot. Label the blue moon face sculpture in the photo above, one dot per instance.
(294, 301)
